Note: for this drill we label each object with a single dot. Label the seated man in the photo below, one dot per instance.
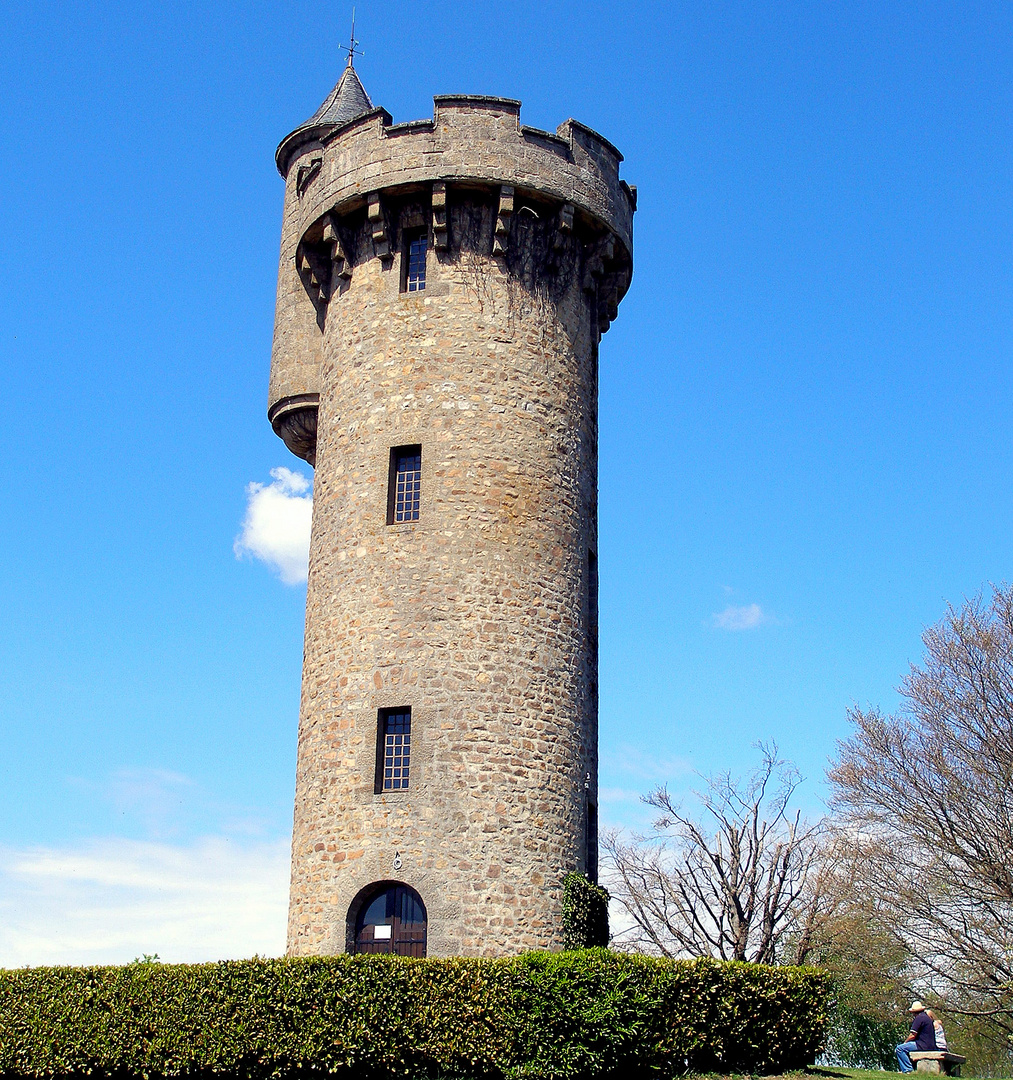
(922, 1036)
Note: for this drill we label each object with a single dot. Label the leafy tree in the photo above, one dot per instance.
(868, 966)
(926, 799)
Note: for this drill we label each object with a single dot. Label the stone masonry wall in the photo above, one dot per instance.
(477, 616)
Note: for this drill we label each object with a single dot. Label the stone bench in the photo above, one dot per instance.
(937, 1062)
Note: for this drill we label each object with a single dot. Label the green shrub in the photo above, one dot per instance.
(585, 913)
(857, 1040)
(568, 1015)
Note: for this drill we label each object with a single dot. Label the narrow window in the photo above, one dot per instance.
(592, 603)
(413, 259)
(393, 749)
(591, 843)
(404, 486)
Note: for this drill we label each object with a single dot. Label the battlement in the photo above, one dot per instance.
(470, 139)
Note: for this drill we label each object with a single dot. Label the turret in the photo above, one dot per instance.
(443, 288)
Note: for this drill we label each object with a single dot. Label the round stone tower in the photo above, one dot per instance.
(442, 291)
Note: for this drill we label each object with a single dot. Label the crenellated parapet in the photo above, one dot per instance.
(546, 206)
(471, 139)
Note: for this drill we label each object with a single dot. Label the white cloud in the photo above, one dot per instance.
(276, 528)
(627, 773)
(110, 900)
(748, 617)
(155, 796)
(635, 761)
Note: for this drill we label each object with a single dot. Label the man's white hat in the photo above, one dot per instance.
(916, 1006)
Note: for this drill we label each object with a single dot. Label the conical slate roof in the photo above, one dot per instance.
(347, 101)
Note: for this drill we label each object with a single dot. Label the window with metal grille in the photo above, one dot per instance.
(393, 749)
(415, 262)
(404, 493)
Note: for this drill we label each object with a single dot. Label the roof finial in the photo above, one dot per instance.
(352, 42)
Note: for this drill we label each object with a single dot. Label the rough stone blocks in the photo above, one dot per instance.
(481, 615)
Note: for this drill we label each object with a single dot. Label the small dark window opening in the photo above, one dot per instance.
(592, 630)
(404, 485)
(413, 260)
(591, 843)
(592, 603)
(393, 749)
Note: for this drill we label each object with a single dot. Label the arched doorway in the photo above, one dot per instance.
(391, 920)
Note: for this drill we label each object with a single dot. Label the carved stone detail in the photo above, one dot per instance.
(306, 175)
(340, 265)
(565, 225)
(315, 272)
(594, 266)
(606, 277)
(501, 237)
(294, 421)
(441, 234)
(378, 226)
(325, 265)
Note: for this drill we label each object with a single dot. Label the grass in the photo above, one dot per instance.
(837, 1073)
(817, 1072)
(854, 1074)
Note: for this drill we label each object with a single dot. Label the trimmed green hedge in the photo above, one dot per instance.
(580, 1014)
(585, 913)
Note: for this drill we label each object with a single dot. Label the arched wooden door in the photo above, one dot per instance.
(392, 920)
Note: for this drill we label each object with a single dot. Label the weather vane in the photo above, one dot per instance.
(350, 47)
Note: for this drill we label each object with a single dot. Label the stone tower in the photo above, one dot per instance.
(442, 291)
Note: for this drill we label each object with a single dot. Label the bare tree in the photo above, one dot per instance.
(927, 798)
(740, 884)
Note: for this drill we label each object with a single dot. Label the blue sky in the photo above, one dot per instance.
(805, 406)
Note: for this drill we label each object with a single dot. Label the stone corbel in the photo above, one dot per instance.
(341, 267)
(622, 280)
(613, 285)
(378, 226)
(608, 303)
(595, 257)
(441, 234)
(593, 268)
(294, 420)
(565, 229)
(315, 274)
(506, 208)
(306, 175)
